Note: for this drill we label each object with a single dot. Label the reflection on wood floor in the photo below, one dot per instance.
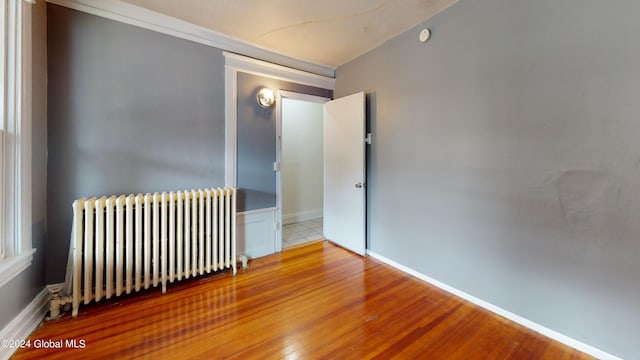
(309, 302)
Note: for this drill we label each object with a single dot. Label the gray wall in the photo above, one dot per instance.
(513, 134)
(130, 111)
(257, 140)
(19, 292)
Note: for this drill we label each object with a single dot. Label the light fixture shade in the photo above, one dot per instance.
(266, 97)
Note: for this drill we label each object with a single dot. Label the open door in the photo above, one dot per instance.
(344, 172)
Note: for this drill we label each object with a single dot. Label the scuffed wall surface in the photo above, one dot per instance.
(505, 159)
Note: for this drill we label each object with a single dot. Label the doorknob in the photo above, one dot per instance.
(359, 185)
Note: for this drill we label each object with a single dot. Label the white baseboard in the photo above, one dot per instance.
(301, 216)
(25, 322)
(588, 349)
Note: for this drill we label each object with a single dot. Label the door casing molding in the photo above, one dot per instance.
(234, 64)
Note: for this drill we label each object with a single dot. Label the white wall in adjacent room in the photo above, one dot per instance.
(301, 160)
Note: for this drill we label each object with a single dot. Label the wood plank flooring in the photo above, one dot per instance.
(316, 301)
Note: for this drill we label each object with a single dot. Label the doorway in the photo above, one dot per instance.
(301, 175)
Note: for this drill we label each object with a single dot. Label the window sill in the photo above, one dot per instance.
(12, 266)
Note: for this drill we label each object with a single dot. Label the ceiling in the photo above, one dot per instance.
(325, 32)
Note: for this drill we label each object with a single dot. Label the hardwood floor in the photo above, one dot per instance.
(311, 302)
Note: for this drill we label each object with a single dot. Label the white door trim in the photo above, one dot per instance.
(234, 64)
(303, 97)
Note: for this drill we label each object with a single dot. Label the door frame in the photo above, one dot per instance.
(249, 242)
(283, 94)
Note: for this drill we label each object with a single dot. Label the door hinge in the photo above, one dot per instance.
(367, 139)
(276, 166)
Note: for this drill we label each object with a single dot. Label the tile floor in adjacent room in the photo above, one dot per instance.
(302, 232)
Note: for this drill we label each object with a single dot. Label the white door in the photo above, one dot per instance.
(344, 172)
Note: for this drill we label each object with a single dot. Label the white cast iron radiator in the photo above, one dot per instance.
(127, 243)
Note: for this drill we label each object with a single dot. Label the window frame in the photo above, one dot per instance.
(3, 21)
(15, 130)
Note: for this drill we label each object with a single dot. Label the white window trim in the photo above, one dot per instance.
(16, 132)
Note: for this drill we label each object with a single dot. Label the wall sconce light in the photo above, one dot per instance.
(266, 97)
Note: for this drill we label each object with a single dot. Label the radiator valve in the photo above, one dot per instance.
(56, 303)
(244, 260)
